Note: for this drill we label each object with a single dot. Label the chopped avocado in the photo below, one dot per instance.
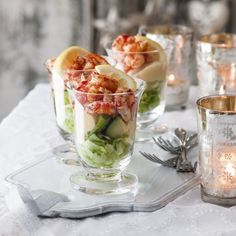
(101, 124)
(118, 128)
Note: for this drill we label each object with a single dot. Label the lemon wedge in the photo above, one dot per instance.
(153, 45)
(67, 57)
(155, 71)
(124, 80)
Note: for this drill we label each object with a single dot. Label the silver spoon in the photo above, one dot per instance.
(181, 135)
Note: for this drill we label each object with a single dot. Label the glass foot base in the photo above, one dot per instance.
(146, 134)
(176, 107)
(218, 200)
(66, 154)
(83, 182)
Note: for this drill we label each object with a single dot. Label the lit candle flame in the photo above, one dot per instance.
(171, 78)
(230, 169)
(222, 90)
(174, 81)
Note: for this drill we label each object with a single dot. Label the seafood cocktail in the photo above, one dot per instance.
(73, 58)
(144, 59)
(106, 103)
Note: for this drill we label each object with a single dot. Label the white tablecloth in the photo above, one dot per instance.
(29, 131)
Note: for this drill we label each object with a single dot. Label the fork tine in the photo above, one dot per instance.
(155, 159)
(192, 145)
(170, 144)
(166, 145)
(161, 141)
(191, 137)
(175, 148)
(164, 163)
(160, 144)
(167, 163)
(146, 155)
(195, 166)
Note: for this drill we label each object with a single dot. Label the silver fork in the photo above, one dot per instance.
(183, 164)
(169, 147)
(172, 162)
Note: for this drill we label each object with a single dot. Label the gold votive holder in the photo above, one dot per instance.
(217, 152)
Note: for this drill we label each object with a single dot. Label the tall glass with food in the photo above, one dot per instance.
(106, 103)
(144, 59)
(72, 58)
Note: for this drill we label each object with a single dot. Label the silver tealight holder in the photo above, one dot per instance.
(217, 153)
(216, 64)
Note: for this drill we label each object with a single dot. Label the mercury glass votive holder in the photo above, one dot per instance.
(217, 138)
(216, 64)
(177, 42)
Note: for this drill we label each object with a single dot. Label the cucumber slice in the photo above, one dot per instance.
(101, 124)
(118, 128)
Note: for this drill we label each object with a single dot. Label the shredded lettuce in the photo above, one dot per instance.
(101, 151)
(149, 100)
(69, 121)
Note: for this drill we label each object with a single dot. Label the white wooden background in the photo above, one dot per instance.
(33, 30)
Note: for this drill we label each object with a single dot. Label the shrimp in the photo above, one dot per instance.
(134, 61)
(74, 77)
(136, 46)
(124, 103)
(87, 62)
(97, 87)
(96, 59)
(119, 42)
(83, 86)
(127, 46)
(127, 98)
(130, 47)
(78, 63)
(104, 82)
(128, 43)
(99, 107)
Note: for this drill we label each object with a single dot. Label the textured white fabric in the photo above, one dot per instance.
(30, 130)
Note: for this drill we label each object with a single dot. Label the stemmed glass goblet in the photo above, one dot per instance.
(143, 59)
(105, 122)
(63, 109)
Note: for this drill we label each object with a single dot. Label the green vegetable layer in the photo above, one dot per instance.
(149, 100)
(102, 151)
(69, 121)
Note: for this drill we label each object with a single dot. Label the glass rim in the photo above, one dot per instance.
(141, 87)
(48, 61)
(74, 70)
(107, 46)
(178, 29)
(210, 98)
(218, 40)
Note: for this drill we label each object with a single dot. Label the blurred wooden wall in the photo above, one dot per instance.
(34, 30)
